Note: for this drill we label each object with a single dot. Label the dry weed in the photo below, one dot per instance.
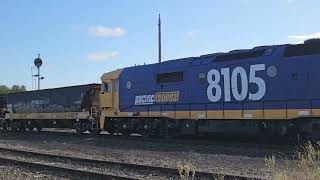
(186, 171)
(218, 176)
(305, 166)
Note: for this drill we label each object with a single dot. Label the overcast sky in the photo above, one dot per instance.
(79, 40)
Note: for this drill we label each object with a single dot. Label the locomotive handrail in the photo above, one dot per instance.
(309, 105)
(232, 102)
(237, 102)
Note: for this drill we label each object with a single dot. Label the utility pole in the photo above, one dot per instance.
(159, 39)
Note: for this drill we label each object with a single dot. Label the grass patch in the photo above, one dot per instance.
(186, 171)
(306, 165)
(218, 176)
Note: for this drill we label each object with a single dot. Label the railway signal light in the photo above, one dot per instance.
(38, 63)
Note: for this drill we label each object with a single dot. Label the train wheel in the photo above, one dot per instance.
(262, 133)
(144, 133)
(30, 126)
(124, 130)
(78, 128)
(125, 133)
(4, 126)
(15, 129)
(79, 131)
(111, 132)
(86, 126)
(14, 126)
(36, 126)
(22, 127)
(144, 130)
(283, 130)
(95, 131)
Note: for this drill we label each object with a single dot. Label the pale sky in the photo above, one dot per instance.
(79, 40)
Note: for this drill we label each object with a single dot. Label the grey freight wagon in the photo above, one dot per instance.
(73, 107)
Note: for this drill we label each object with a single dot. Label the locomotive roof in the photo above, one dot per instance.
(92, 84)
(187, 61)
(225, 56)
(111, 75)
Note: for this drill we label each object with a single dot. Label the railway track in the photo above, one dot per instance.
(71, 172)
(199, 145)
(178, 140)
(98, 169)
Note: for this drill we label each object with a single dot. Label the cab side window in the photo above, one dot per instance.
(169, 77)
(106, 87)
(109, 88)
(116, 85)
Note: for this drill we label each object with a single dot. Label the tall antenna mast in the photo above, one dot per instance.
(159, 39)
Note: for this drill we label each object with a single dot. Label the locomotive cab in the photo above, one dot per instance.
(90, 102)
(107, 93)
(109, 96)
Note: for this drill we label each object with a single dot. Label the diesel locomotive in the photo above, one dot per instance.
(267, 90)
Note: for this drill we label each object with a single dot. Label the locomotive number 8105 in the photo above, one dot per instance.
(230, 84)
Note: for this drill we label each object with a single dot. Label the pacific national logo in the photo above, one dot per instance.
(144, 99)
(160, 97)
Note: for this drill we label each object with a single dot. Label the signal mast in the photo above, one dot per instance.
(38, 63)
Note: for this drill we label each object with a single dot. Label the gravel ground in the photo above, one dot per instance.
(8, 172)
(230, 159)
(90, 167)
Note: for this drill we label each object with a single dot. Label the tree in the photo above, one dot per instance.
(15, 88)
(4, 89)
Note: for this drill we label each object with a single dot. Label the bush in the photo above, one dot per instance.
(186, 171)
(306, 165)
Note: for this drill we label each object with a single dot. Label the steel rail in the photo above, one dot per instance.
(120, 165)
(81, 174)
(192, 140)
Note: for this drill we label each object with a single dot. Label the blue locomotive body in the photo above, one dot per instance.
(270, 89)
(266, 80)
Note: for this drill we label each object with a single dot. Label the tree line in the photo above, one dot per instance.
(15, 88)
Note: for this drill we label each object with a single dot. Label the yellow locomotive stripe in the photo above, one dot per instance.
(253, 114)
(274, 114)
(227, 114)
(49, 116)
(215, 114)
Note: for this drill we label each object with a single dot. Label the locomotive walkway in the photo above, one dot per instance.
(96, 169)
